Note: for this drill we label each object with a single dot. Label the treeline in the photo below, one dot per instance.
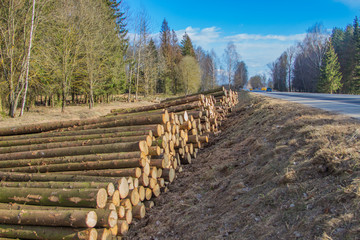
(321, 63)
(57, 52)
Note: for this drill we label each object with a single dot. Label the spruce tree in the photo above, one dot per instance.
(187, 48)
(330, 78)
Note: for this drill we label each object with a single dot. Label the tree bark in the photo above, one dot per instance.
(125, 172)
(82, 150)
(55, 197)
(56, 218)
(162, 105)
(104, 122)
(127, 136)
(76, 143)
(110, 188)
(47, 233)
(71, 159)
(155, 129)
(82, 166)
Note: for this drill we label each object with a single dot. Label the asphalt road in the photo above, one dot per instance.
(340, 103)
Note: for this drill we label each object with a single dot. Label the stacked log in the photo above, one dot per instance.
(89, 179)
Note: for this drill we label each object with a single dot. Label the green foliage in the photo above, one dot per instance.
(187, 48)
(356, 75)
(330, 78)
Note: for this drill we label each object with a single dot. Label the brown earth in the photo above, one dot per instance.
(278, 170)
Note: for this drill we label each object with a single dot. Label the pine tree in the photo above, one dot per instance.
(187, 48)
(330, 78)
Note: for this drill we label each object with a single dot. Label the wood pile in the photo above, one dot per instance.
(88, 179)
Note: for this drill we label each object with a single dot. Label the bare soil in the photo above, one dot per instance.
(42, 114)
(278, 170)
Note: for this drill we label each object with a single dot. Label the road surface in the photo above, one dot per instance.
(340, 103)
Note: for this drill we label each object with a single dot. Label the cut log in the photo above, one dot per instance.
(63, 218)
(90, 142)
(108, 164)
(148, 193)
(55, 197)
(128, 216)
(121, 121)
(120, 210)
(154, 151)
(156, 190)
(136, 121)
(123, 227)
(76, 136)
(38, 177)
(124, 172)
(71, 159)
(168, 174)
(47, 233)
(141, 191)
(104, 234)
(144, 180)
(139, 211)
(110, 188)
(161, 105)
(106, 218)
(160, 163)
(82, 150)
(115, 198)
(123, 187)
(134, 196)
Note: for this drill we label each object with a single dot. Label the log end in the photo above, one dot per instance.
(148, 140)
(110, 189)
(143, 146)
(141, 190)
(148, 193)
(156, 190)
(139, 211)
(116, 198)
(101, 198)
(134, 197)
(113, 218)
(121, 211)
(123, 227)
(123, 187)
(91, 219)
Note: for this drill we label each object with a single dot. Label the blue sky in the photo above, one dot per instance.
(260, 29)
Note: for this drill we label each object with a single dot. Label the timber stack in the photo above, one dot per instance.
(88, 179)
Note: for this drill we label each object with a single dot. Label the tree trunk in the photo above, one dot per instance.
(77, 143)
(98, 122)
(125, 172)
(66, 137)
(71, 159)
(47, 233)
(91, 198)
(110, 188)
(82, 150)
(57, 218)
(161, 105)
(82, 166)
(106, 218)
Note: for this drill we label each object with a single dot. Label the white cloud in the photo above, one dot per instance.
(245, 36)
(350, 3)
(202, 36)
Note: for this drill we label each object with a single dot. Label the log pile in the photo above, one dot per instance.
(88, 179)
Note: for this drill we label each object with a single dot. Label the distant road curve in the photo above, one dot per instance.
(340, 103)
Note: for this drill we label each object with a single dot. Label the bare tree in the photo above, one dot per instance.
(291, 52)
(15, 46)
(231, 58)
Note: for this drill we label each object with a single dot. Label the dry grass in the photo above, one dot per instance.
(279, 170)
(48, 114)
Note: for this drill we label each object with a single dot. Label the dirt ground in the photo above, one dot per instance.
(278, 170)
(48, 114)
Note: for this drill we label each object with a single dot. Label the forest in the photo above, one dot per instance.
(322, 62)
(60, 52)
